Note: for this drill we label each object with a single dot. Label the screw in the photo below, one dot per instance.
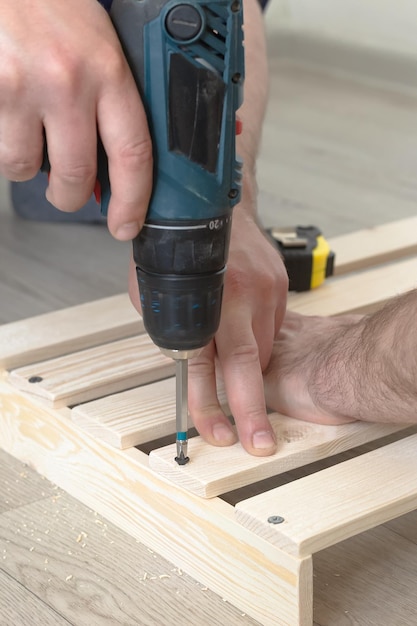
(236, 78)
(35, 379)
(233, 193)
(236, 6)
(276, 519)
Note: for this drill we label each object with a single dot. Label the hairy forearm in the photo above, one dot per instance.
(369, 370)
(252, 111)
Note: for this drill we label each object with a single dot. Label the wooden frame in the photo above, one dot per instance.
(258, 554)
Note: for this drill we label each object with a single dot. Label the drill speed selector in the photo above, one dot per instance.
(184, 23)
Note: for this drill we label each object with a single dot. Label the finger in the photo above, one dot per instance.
(72, 150)
(205, 410)
(21, 145)
(124, 131)
(239, 357)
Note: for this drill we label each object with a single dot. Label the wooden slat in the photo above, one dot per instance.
(374, 246)
(135, 416)
(361, 293)
(213, 471)
(75, 328)
(89, 374)
(341, 501)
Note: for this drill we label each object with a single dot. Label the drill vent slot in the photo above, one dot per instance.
(211, 48)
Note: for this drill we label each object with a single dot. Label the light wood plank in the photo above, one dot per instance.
(199, 536)
(135, 416)
(85, 375)
(75, 328)
(374, 246)
(341, 501)
(131, 417)
(213, 471)
(361, 293)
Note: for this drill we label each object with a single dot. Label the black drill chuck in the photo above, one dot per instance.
(180, 272)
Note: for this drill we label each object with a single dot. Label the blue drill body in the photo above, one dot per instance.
(187, 60)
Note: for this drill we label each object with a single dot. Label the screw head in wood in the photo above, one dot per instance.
(275, 519)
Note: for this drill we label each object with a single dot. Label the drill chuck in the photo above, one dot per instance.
(180, 271)
(185, 309)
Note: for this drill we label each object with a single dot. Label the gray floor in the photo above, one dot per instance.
(337, 153)
(45, 266)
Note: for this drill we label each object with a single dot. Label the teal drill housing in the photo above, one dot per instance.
(188, 62)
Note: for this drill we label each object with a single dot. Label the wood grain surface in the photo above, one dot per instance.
(329, 506)
(87, 374)
(75, 328)
(213, 471)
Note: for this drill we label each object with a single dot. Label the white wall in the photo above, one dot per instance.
(387, 24)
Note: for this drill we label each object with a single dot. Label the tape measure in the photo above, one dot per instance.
(306, 254)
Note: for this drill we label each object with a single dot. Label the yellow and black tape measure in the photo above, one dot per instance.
(306, 254)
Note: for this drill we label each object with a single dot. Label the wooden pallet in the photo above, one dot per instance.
(84, 395)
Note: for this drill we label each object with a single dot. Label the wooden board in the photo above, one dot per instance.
(374, 246)
(336, 503)
(75, 328)
(213, 471)
(133, 417)
(362, 293)
(88, 374)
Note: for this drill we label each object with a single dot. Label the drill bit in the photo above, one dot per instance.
(181, 372)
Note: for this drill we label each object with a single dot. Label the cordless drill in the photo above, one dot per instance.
(187, 60)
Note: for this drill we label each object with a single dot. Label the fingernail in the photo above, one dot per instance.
(128, 230)
(263, 439)
(223, 433)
